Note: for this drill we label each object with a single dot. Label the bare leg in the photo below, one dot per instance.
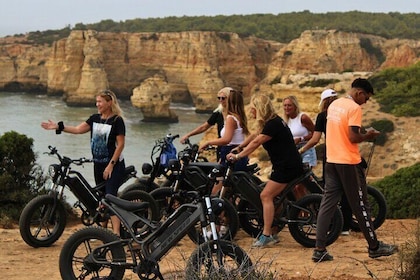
(216, 188)
(116, 224)
(300, 191)
(267, 196)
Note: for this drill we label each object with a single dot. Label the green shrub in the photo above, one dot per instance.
(397, 90)
(402, 192)
(366, 44)
(384, 126)
(20, 177)
(319, 83)
(224, 36)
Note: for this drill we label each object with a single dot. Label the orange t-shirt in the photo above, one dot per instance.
(342, 114)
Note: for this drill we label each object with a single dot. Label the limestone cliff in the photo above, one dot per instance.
(194, 65)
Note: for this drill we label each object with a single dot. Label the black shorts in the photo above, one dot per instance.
(285, 175)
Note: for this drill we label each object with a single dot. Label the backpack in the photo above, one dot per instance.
(168, 153)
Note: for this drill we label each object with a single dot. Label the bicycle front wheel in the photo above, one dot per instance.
(219, 260)
(77, 260)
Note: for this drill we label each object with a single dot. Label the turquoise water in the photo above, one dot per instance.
(24, 113)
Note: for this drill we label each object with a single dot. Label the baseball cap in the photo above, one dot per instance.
(327, 93)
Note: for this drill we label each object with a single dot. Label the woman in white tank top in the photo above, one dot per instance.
(234, 131)
(301, 126)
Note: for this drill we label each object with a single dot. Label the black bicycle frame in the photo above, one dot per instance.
(245, 186)
(163, 237)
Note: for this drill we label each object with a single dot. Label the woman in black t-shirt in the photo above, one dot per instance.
(275, 136)
(107, 140)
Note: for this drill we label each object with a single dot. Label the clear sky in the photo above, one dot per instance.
(21, 16)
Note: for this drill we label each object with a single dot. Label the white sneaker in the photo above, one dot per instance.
(345, 233)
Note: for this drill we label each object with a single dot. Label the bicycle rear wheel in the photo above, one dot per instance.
(304, 215)
(376, 205)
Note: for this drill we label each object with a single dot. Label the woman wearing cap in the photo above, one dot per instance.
(217, 117)
(327, 96)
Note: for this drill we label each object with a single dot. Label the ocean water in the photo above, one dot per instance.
(23, 113)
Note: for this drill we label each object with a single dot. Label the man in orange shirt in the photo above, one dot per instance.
(343, 172)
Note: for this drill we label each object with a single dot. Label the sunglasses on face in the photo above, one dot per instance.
(221, 97)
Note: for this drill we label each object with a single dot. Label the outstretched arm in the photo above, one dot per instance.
(80, 129)
(252, 146)
(197, 130)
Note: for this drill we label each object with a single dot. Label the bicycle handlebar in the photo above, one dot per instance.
(66, 160)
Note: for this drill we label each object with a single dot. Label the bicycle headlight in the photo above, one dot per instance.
(54, 171)
(146, 168)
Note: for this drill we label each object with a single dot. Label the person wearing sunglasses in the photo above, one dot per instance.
(217, 117)
(107, 130)
(233, 133)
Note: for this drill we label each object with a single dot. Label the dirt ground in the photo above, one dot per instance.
(287, 260)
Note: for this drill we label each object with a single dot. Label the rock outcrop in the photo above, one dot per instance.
(194, 65)
(153, 99)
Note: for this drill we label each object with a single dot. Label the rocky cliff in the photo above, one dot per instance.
(192, 66)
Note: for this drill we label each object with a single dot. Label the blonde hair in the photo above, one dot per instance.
(236, 107)
(327, 102)
(226, 91)
(108, 95)
(264, 109)
(295, 102)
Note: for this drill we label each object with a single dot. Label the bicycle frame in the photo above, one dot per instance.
(243, 185)
(88, 197)
(163, 237)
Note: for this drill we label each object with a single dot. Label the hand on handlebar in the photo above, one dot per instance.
(231, 157)
(184, 140)
(203, 147)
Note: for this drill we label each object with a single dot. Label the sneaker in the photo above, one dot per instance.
(383, 250)
(345, 233)
(264, 241)
(321, 256)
